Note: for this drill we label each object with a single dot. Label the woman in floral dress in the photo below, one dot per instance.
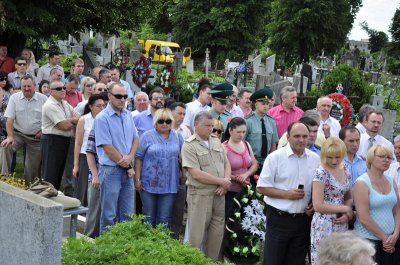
(331, 195)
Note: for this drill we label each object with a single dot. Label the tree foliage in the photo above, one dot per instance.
(23, 19)
(220, 25)
(303, 28)
(377, 39)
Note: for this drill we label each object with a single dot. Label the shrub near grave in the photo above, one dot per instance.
(131, 243)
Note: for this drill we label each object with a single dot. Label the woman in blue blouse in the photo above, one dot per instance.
(377, 204)
(157, 169)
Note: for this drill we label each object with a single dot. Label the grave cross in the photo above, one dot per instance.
(207, 61)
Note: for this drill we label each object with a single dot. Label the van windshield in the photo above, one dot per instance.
(169, 50)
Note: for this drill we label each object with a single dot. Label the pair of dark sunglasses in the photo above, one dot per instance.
(102, 89)
(217, 131)
(119, 96)
(3, 78)
(59, 88)
(162, 121)
(21, 64)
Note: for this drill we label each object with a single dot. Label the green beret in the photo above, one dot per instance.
(262, 94)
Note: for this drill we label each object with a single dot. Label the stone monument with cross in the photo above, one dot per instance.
(207, 62)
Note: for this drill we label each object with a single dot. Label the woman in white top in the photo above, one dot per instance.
(32, 66)
(81, 170)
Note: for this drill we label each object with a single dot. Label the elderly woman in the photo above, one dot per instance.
(87, 86)
(157, 169)
(331, 194)
(345, 249)
(377, 204)
(81, 170)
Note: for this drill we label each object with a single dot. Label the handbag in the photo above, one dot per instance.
(43, 188)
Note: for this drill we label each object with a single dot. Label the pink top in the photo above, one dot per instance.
(240, 163)
(74, 98)
(283, 119)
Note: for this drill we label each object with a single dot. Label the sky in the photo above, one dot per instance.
(377, 13)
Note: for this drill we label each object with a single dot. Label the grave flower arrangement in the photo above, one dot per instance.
(141, 71)
(342, 109)
(166, 78)
(245, 228)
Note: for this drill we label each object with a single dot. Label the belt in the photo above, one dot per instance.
(283, 213)
(29, 135)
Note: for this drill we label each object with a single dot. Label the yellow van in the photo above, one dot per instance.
(163, 51)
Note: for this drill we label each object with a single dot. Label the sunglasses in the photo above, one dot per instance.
(102, 89)
(217, 131)
(119, 96)
(89, 85)
(162, 121)
(59, 88)
(21, 64)
(3, 79)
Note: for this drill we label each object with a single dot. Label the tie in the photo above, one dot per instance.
(264, 141)
(219, 117)
(371, 143)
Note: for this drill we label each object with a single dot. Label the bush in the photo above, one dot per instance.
(358, 84)
(131, 243)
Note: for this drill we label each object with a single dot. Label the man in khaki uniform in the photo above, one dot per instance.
(208, 171)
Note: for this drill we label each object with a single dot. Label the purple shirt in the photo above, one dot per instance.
(283, 119)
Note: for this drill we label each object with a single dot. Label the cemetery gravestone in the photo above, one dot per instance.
(178, 61)
(190, 66)
(270, 64)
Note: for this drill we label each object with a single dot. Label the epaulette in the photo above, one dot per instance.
(251, 115)
(227, 113)
(191, 138)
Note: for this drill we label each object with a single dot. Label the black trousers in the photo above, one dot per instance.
(54, 154)
(287, 239)
(384, 258)
(82, 185)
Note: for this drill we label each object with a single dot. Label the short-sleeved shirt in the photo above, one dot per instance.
(284, 170)
(160, 167)
(114, 129)
(15, 80)
(192, 108)
(144, 121)
(54, 112)
(223, 117)
(44, 72)
(357, 167)
(210, 159)
(27, 114)
(254, 134)
(283, 118)
(74, 98)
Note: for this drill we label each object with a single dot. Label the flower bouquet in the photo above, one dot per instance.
(141, 71)
(166, 78)
(344, 109)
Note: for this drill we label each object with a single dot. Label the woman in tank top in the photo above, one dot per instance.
(377, 206)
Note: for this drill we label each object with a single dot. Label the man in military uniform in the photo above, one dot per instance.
(261, 129)
(208, 170)
(220, 97)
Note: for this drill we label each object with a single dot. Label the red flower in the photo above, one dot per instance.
(169, 87)
(126, 59)
(172, 78)
(143, 80)
(145, 63)
(167, 64)
(138, 71)
(142, 57)
(147, 71)
(171, 69)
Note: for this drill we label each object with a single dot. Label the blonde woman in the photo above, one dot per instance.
(32, 66)
(377, 204)
(87, 87)
(331, 194)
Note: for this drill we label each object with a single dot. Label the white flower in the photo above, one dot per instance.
(248, 210)
(236, 249)
(245, 200)
(246, 223)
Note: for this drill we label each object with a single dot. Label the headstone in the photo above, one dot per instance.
(113, 42)
(256, 64)
(169, 37)
(374, 77)
(135, 54)
(387, 130)
(31, 228)
(207, 62)
(377, 101)
(99, 41)
(153, 76)
(178, 62)
(190, 66)
(84, 38)
(261, 81)
(270, 64)
(105, 55)
(276, 87)
(296, 82)
(62, 45)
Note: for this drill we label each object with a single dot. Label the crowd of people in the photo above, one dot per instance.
(316, 177)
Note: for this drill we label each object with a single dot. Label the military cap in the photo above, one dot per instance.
(262, 95)
(222, 92)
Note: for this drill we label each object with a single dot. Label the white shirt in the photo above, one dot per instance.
(394, 171)
(184, 131)
(192, 108)
(87, 128)
(364, 143)
(361, 128)
(44, 72)
(333, 124)
(284, 170)
(80, 108)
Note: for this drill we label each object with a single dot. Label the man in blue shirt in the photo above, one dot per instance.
(144, 120)
(116, 145)
(350, 135)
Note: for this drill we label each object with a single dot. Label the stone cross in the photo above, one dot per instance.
(207, 61)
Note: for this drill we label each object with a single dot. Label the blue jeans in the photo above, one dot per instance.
(158, 207)
(116, 196)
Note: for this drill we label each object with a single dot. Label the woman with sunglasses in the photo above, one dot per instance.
(81, 169)
(4, 97)
(157, 169)
(240, 156)
(376, 198)
(218, 129)
(87, 87)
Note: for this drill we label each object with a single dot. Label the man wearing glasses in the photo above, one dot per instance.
(144, 120)
(116, 145)
(58, 121)
(15, 77)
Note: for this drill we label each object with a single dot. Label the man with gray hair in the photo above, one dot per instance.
(329, 126)
(208, 171)
(231, 106)
(141, 103)
(286, 112)
(362, 117)
(394, 169)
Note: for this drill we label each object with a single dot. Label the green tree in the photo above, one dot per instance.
(302, 28)
(377, 39)
(394, 45)
(225, 27)
(24, 19)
